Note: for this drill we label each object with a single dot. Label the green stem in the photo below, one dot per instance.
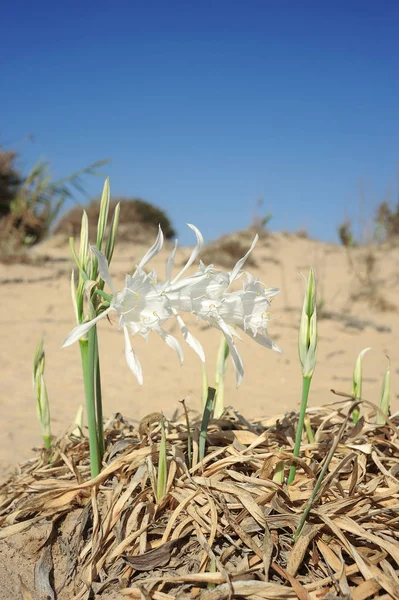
(205, 422)
(99, 404)
(355, 415)
(87, 353)
(305, 394)
(103, 294)
(309, 431)
(47, 441)
(189, 457)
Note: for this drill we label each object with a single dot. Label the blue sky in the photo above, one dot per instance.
(203, 107)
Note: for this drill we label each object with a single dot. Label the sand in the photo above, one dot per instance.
(36, 302)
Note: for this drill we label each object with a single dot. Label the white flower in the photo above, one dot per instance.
(205, 294)
(145, 304)
(142, 307)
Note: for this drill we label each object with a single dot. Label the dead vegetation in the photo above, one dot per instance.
(363, 264)
(225, 527)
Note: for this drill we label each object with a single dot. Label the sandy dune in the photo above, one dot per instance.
(36, 301)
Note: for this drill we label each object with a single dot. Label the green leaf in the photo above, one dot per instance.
(206, 415)
(162, 465)
(103, 216)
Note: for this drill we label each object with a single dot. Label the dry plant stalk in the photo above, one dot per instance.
(223, 528)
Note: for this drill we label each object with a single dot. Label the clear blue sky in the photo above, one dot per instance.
(205, 106)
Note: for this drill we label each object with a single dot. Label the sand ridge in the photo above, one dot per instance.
(36, 302)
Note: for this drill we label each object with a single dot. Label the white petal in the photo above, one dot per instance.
(79, 331)
(194, 253)
(266, 342)
(233, 274)
(170, 263)
(171, 341)
(189, 338)
(154, 250)
(235, 357)
(131, 359)
(103, 268)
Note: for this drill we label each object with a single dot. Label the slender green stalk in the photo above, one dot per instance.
(307, 347)
(189, 442)
(305, 394)
(309, 431)
(204, 389)
(162, 465)
(322, 474)
(87, 349)
(99, 405)
(205, 421)
(314, 493)
(222, 357)
(383, 413)
(42, 401)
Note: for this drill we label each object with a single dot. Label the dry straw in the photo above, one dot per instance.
(223, 528)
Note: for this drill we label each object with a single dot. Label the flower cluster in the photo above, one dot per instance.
(145, 304)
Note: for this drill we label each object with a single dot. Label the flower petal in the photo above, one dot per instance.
(171, 341)
(194, 253)
(263, 340)
(78, 332)
(170, 264)
(103, 269)
(233, 274)
(235, 357)
(154, 250)
(189, 338)
(131, 358)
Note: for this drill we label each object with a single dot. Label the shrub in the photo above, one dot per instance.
(345, 234)
(387, 220)
(137, 218)
(226, 251)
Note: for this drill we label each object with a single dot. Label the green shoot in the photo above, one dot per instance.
(204, 389)
(357, 382)
(309, 431)
(307, 346)
(162, 477)
(42, 403)
(205, 421)
(221, 361)
(189, 442)
(87, 297)
(383, 413)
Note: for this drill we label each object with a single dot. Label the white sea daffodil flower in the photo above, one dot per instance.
(205, 294)
(141, 307)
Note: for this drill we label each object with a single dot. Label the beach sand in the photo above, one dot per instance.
(36, 302)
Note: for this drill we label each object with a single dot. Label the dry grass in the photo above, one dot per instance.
(224, 528)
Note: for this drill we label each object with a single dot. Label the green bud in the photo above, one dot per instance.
(42, 403)
(84, 242)
(38, 364)
(109, 248)
(307, 343)
(103, 216)
(385, 397)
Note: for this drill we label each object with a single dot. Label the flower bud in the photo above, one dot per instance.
(307, 343)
